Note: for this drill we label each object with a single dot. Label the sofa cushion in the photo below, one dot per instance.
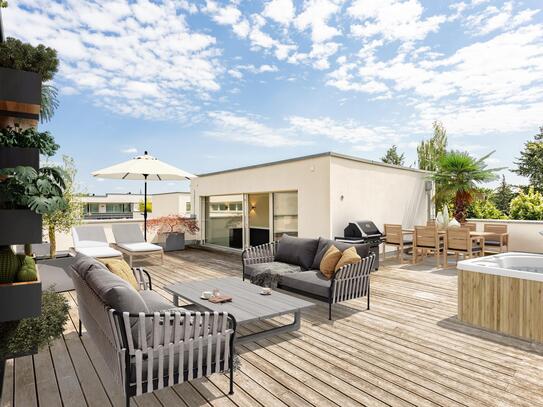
(349, 256)
(155, 302)
(116, 292)
(311, 281)
(275, 267)
(85, 265)
(296, 250)
(329, 261)
(121, 268)
(362, 249)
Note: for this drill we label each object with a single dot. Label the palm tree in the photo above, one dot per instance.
(458, 175)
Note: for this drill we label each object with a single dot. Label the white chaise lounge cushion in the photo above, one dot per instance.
(101, 251)
(140, 247)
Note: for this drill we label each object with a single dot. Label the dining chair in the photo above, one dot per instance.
(498, 243)
(459, 240)
(472, 226)
(396, 236)
(428, 239)
(431, 222)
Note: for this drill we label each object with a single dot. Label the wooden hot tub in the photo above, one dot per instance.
(503, 293)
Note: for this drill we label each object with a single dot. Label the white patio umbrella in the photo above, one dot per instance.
(147, 168)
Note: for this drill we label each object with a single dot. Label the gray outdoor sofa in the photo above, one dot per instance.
(146, 342)
(293, 263)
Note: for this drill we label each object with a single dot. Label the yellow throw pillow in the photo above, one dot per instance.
(329, 261)
(349, 256)
(122, 269)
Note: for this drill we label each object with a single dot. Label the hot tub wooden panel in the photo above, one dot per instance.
(512, 306)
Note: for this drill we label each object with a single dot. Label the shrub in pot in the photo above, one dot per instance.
(172, 230)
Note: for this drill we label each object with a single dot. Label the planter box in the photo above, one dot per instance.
(20, 300)
(13, 156)
(173, 242)
(20, 97)
(20, 226)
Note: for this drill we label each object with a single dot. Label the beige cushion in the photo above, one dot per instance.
(122, 269)
(349, 256)
(329, 261)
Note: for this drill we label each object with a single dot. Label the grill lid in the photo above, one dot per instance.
(362, 228)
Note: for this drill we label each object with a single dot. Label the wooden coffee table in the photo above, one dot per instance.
(247, 304)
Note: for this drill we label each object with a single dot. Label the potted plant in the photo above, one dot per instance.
(26, 336)
(171, 230)
(23, 70)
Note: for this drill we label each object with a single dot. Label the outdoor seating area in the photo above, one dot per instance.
(409, 349)
(441, 242)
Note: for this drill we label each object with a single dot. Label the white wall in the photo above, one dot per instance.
(379, 193)
(169, 204)
(523, 234)
(310, 177)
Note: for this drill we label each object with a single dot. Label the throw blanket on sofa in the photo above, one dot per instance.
(269, 274)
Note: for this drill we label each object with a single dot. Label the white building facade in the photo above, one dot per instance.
(309, 196)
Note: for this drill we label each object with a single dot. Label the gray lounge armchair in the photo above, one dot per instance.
(295, 267)
(146, 342)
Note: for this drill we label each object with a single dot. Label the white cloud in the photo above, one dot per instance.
(493, 18)
(133, 57)
(232, 127)
(221, 14)
(315, 16)
(281, 11)
(129, 150)
(392, 20)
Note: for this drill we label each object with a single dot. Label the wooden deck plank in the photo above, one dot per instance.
(407, 350)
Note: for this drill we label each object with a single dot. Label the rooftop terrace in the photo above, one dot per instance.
(407, 350)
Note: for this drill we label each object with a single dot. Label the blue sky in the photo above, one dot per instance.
(209, 85)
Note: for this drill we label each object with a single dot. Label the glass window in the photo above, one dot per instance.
(118, 207)
(92, 208)
(188, 207)
(224, 227)
(285, 214)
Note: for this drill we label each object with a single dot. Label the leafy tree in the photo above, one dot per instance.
(392, 156)
(430, 151)
(527, 205)
(502, 196)
(62, 219)
(485, 209)
(530, 163)
(458, 175)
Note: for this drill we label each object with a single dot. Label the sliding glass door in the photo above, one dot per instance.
(242, 220)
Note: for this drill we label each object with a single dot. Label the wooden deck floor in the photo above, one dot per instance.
(408, 350)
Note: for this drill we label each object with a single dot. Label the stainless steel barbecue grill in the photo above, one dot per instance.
(363, 231)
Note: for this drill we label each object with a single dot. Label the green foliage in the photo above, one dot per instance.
(502, 196)
(392, 156)
(429, 152)
(458, 175)
(62, 219)
(49, 102)
(530, 163)
(149, 206)
(24, 336)
(41, 191)
(484, 209)
(28, 138)
(42, 60)
(527, 205)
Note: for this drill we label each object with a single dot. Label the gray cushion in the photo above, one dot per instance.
(362, 249)
(311, 281)
(492, 243)
(297, 251)
(116, 292)
(275, 267)
(154, 301)
(85, 265)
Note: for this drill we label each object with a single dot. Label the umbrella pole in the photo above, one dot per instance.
(145, 208)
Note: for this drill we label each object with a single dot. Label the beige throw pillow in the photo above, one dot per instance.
(329, 261)
(349, 256)
(121, 269)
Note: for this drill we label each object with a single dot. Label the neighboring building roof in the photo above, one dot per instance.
(308, 157)
(110, 194)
